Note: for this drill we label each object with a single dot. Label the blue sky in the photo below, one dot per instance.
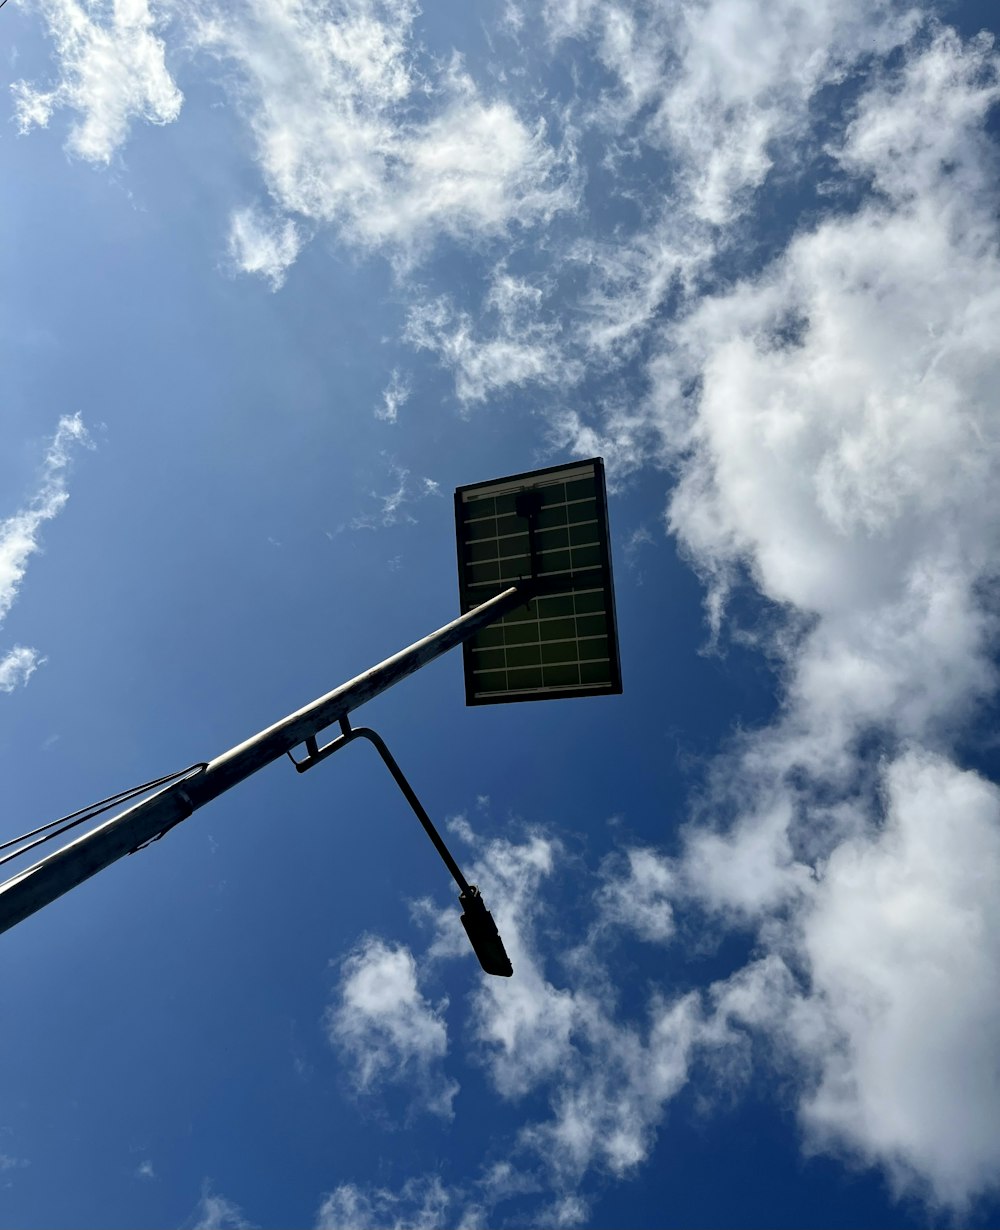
(276, 281)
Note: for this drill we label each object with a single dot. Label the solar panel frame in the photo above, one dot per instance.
(486, 569)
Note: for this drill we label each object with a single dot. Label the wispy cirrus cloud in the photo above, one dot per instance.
(511, 343)
(393, 504)
(421, 1204)
(217, 1212)
(112, 71)
(20, 539)
(395, 395)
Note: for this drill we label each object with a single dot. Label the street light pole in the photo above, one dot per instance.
(35, 887)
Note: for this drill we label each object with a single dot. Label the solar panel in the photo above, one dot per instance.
(549, 524)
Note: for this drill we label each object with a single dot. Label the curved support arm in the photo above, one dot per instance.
(477, 920)
(374, 738)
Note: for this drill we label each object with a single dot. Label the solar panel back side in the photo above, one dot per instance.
(565, 643)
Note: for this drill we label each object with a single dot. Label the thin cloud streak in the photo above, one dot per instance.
(20, 539)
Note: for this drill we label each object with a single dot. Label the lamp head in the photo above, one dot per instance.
(483, 934)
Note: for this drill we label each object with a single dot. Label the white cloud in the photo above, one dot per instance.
(903, 942)
(263, 245)
(640, 899)
(878, 992)
(920, 132)
(840, 452)
(17, 666)
(112, 70)
(388, 1029)
(850, 468)
(892, 1013)
(215, 1212)
(627, 435)
(19, 533)
(720, 82)
(510, 344)
(349, 133)
(19, 540)
(629, 280)
(720, 91)
(392, 504)
(422, 1204)
(395, 395)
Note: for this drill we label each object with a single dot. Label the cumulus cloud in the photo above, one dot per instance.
(886, 999)
(350, 133)
(719, 92)
(112, 70)
(387, 1027)
(20, 539)
(903, 944)
(842, 446)
(876, 994)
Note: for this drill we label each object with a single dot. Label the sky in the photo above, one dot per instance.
(276, 280)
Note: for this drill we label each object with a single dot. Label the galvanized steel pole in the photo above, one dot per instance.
(33, 888)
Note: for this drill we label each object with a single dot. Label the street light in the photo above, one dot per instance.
(537, 623)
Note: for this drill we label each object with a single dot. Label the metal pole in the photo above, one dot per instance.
(33, 888)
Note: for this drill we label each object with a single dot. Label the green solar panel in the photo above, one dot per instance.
(565, 643)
